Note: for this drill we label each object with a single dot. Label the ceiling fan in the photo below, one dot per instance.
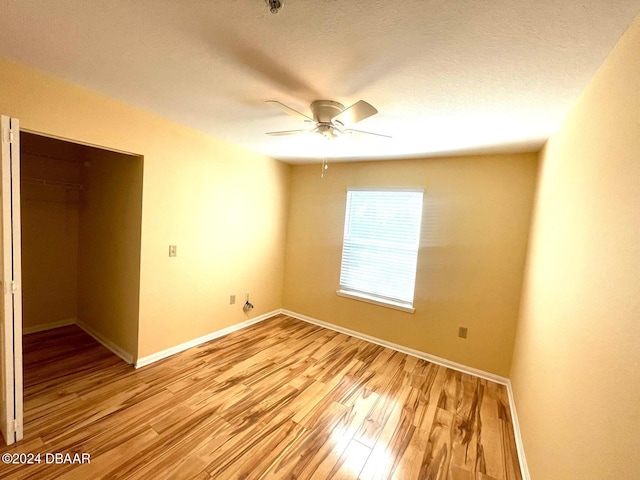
(330, 119)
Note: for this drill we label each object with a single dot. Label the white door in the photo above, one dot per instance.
(10, 278)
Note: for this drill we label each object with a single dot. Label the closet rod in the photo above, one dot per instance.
(51, 157)
(52, 183)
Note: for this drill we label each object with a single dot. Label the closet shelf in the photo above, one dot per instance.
(52, 183)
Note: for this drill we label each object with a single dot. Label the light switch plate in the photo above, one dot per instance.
(173, 250)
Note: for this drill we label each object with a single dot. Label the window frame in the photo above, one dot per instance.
(377, 299)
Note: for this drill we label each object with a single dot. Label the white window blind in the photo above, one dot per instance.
(381, 241)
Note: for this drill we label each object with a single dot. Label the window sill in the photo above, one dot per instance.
(375, 301)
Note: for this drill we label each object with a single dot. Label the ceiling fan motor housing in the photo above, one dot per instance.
(324, 110)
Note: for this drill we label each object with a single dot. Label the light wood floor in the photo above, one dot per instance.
(282, 399)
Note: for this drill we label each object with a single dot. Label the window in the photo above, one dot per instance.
(380, 250)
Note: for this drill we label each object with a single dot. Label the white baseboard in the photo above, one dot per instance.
(49, 326)
(124, 355)
(439, 361)
(154, 357)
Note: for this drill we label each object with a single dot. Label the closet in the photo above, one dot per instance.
(80, 218)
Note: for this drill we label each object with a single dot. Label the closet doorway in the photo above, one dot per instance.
(81, 216)
(81, 211)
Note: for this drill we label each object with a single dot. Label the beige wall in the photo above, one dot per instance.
(109, 246)
(49, 233)
(576, 362)
(475, 229)
(223, 206)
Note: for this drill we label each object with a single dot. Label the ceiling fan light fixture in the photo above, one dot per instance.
(328, 131)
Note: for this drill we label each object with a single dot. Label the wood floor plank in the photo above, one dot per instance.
(256, 450)
(121, 453)
(350, 463)
(409, 464)
(303, 458)
(106, 433)
(389, 398)
(437, 457)
(491, 432)
(342, 436)
(281, 399)
(389, 431)
(466, 447)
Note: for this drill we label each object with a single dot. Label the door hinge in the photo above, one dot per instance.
(8, 137)
(9, 287)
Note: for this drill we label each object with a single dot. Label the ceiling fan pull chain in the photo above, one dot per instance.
(325, 166)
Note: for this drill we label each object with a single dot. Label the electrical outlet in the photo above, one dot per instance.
(232, 299)
(462, 332)
(173, 250)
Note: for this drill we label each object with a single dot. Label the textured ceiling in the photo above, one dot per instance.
(460, 76)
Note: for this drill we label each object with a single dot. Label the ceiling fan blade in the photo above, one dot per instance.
(288, 132)
(355, 113)
(289, 110)
(359, 132)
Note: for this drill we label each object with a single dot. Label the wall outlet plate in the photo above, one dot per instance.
(232, 299)
(173, 250)
(462, 332)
